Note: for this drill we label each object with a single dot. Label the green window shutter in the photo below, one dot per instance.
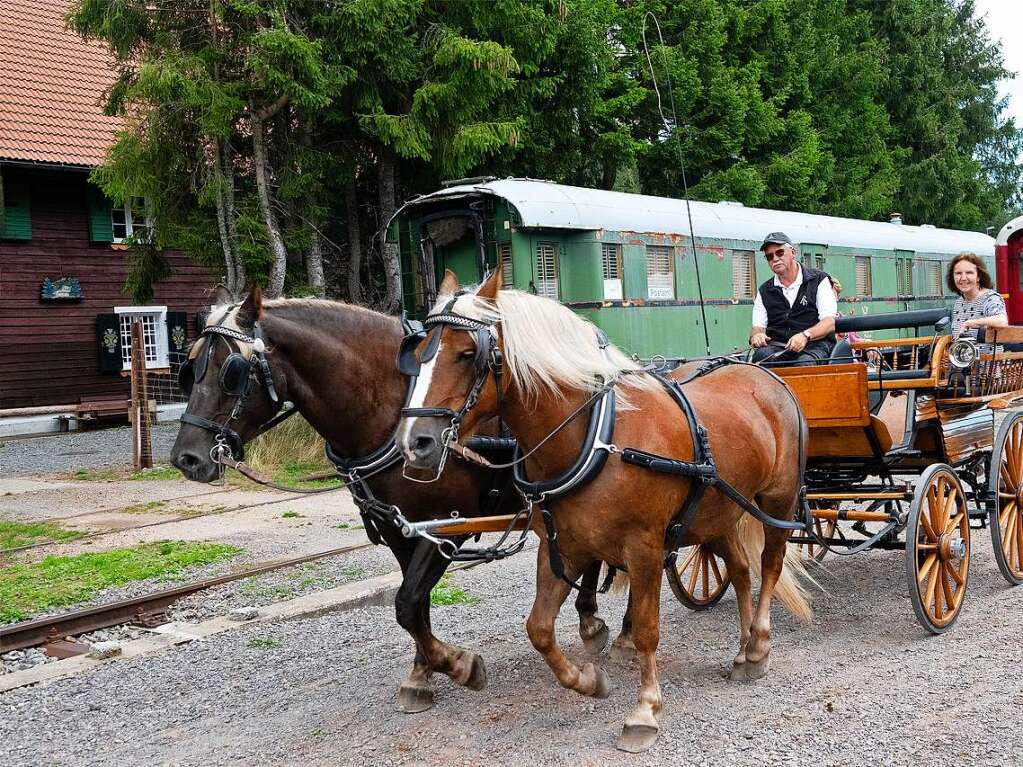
(101, 228)
(17, 221)
(108, 342)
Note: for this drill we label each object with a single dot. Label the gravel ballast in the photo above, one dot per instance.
(863, 684)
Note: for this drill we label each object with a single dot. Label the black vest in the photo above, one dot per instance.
(784, 321)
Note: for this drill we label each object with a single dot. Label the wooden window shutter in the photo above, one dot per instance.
(547, 270)
(504, 259)
(108, 342)
(17, 219)
(744, 278)
(863, 282)
(101, 228)
(611, 268)
(177, 335)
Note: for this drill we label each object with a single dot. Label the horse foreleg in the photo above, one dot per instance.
(737, 563)
(551, 593)
(412, 607)
(758, 648)
(592, 629)
(640, 729)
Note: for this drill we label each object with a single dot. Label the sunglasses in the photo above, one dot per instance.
(774, 254)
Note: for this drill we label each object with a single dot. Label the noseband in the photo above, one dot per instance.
(238, 377)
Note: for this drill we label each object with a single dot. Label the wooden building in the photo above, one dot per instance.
(64, 315)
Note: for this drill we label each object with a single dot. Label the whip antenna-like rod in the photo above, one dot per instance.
(681, 162)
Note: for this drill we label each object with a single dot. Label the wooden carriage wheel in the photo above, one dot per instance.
(938, 548)
(825, 528)
(698, 577)
(1005, 483)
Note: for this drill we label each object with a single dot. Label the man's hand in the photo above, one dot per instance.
(758, 340)
(797, 343)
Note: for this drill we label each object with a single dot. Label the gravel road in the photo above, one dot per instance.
(62, 453)
(863, 684)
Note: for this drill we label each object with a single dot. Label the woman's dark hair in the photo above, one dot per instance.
(983, 275)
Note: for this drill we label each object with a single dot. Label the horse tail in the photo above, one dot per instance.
(789, 589)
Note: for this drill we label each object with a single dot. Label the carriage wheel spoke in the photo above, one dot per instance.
(1008, 533)
(925, 527)
(946, 589)
(954, 522)
(1019, 543)
(696, 571)
(928, 565)
(956, 575)
(717, 572)
(705, 568)
(688, 560)
(932, 584)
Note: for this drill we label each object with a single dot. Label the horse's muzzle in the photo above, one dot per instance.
(195, 466)
(422, 444)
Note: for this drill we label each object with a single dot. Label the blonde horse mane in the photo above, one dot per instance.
(549, 349)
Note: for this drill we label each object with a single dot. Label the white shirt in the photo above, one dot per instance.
(827, 306)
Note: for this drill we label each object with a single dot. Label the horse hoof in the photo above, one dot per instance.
(757, 670)
(738, 672)
(601, 681)
(636, 738)
(597, 641)
(414, 700)
(478, 675)
(623, 651)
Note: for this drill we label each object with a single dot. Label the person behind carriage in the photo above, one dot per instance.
(794, 311)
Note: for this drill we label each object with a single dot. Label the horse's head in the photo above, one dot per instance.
(457, 367)
(230, 388)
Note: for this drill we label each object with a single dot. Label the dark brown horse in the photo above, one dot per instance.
(335, 363)
(551, 366)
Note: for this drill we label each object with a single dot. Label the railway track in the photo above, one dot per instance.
(145, 610)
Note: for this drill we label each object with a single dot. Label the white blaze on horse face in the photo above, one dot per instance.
(419, 392)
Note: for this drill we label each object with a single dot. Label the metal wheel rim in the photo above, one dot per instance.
(698, 577)
(1005, 516)
(937, 518)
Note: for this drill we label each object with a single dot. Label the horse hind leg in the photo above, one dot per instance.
(551, 593)
(731, 550)
(592, 628)
(623, 648)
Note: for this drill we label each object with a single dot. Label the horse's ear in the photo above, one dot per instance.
(449, 285)
(491, 286)
(252, 308)
(222, 295)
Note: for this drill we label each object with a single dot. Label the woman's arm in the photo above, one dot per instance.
(994, 321)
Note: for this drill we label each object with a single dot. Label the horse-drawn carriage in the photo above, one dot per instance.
(903, 453)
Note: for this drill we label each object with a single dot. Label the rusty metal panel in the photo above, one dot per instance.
(964, 431)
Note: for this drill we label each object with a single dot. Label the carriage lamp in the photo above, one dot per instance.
(962, 353)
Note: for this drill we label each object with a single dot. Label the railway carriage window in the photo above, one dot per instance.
(154, 334)
(660, 279)
(904, 276)
(547, 270)
(504, 258)
(863, 282)
(611, 266)
(744, 276)
(818, 262)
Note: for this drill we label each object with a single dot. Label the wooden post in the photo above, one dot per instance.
(142, 438)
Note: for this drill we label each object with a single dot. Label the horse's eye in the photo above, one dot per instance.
(466, 356)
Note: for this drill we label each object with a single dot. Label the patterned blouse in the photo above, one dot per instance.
(988, 304)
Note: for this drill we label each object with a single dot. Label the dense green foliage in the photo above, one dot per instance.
(273, 136)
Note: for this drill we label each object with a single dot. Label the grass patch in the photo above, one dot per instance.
(95, 475)
(16, 534)
(264, 642)
(142, 508)
(444, 594)
(290, 452)
(156, 473)
(26, 589)
(290, 514)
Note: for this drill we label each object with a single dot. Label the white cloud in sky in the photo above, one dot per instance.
(1004, 19)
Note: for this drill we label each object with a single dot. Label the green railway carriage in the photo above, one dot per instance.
(625, 261)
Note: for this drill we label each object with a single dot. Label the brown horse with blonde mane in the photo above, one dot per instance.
(553, 364)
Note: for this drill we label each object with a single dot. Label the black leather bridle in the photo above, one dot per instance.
(238, 377)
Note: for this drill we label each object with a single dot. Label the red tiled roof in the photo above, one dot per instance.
(51, 87)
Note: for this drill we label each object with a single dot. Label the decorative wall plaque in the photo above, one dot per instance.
(61, 289)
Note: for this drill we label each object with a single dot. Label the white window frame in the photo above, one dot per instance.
(132, 220)
(156, 353)
(744, 280)
(547, 285)
(611, 270)
(665, 292)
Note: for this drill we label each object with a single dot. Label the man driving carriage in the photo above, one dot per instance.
(794, 311)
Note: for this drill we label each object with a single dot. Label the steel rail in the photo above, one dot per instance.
(33, 633)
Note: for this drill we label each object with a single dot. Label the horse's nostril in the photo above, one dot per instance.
(186, 461)
(424, 445)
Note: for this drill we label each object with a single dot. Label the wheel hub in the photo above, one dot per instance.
(951, 548)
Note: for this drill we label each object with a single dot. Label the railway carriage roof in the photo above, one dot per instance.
(545, 205)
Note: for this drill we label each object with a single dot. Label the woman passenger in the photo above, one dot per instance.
(978, 305)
